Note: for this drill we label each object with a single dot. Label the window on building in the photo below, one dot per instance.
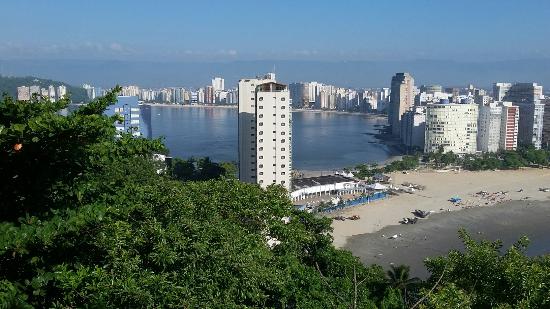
(261, 133)
(261, 140)
(261, 173)
(283, 140)
(260, 107)
(261, 116)
(283, 173)
(282, 99)
(260, 98)
(261, 124)
(283, 166)
(261, 149)
(261, 166)
(261, 157)
(282, 124)
(282, 157)
(283, 107)
(283, 116)
(282, 149)
(261, 181)
(283, 133)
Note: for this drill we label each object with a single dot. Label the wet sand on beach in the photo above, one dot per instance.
(438, 234)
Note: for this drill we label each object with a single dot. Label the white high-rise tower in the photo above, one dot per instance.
(265, 132)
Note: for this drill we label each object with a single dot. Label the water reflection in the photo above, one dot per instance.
(321, 141)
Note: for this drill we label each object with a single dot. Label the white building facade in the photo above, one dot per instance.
(488, 127)
(452, 127)
(265, 132)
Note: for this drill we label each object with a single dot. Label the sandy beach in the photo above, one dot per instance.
(439, 187)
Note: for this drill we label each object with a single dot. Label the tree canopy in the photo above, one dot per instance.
(89, 219)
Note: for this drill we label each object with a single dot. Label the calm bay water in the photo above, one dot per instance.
(321, 141)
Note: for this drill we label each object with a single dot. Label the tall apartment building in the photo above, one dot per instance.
(128, 108)
(401, 99)
(61, 91)
(23, 93)
(265, 132)
(299, 94)
(488, 127)
(34, 90)
(413, 127)
(218, 84)
(209, 95)
(451, 126)
(527, 96)
(546, 124)
(500, 90)
(509, 126)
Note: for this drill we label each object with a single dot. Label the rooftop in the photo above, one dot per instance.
(318, 181)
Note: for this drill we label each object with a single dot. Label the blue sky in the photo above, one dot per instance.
(209, 30)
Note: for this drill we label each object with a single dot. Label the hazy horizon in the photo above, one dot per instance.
(354, 74)
(350, 44)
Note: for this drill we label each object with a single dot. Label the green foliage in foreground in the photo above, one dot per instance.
(484, 277)
(87, 221)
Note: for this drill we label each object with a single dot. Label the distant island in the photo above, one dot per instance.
(9, 84)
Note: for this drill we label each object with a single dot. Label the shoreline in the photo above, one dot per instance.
(439, 188)
(188, 105)
(293, 110)
(372, 115)
(436, 236)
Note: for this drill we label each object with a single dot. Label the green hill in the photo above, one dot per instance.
(9, 84)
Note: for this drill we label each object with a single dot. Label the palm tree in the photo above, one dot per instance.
(398, 277)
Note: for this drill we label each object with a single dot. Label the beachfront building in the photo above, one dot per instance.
(452, 127)
(497, 127)
(305, 188)
(488, 127)
(401, 99)
(413, 127)
(265, 132)
(509, 126)
(128, 108)
(546, 124)
(527, 96)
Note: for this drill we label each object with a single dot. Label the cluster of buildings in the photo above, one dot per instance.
(210, 94)
(315, 95)
(25, 93)
(469, 120)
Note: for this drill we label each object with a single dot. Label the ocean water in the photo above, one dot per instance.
(321, 140)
